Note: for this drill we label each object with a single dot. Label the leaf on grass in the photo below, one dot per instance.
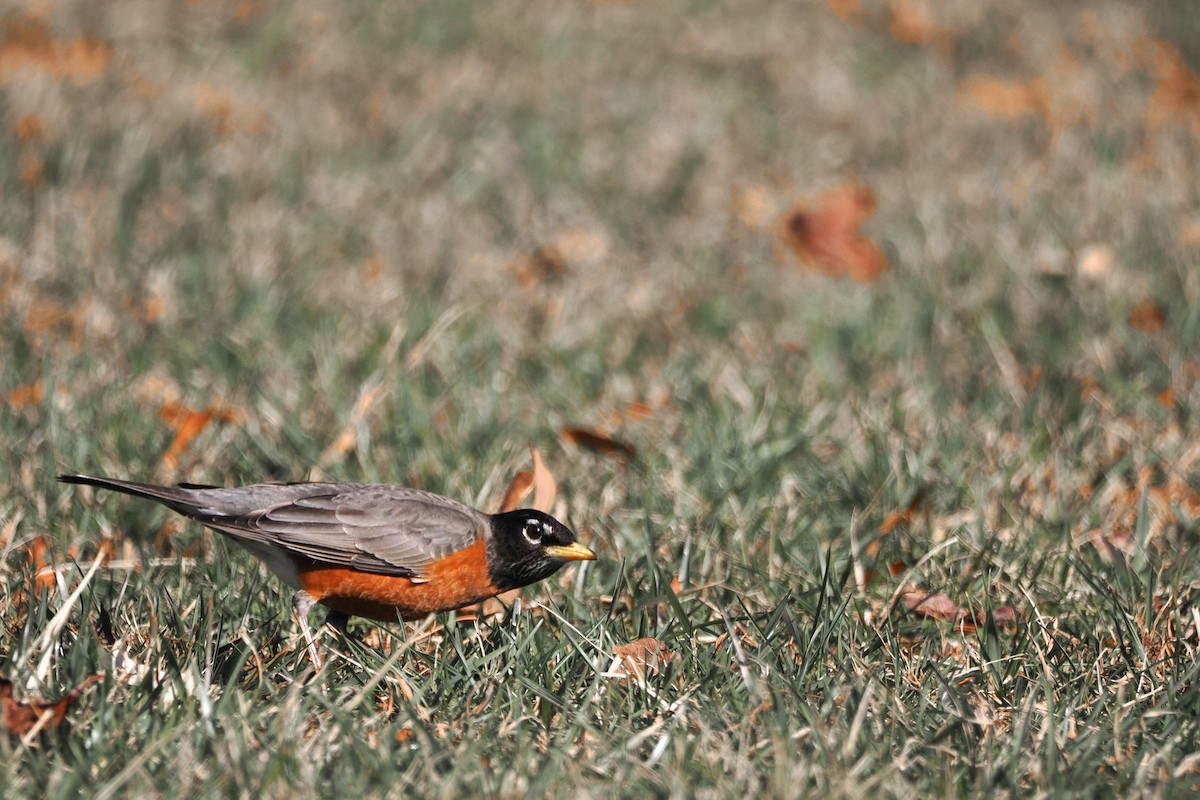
(847, 10)
(1147, 317)
(912, 22)
(518, 489)
(30, 128)
(1006, 99)
(1177, 95)
(902, 516)
(344, 443)
(545, 488)
(539, 481)
(637, 659)
(598, 443)
(545, 264)
(26, 44)
(26, 396)
(826, 237)
(22, 717)
(189, 423)
(42, 565)
(941, 608)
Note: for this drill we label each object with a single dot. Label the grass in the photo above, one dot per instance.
(286, 208)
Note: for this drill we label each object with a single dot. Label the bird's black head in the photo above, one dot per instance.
(528, 546)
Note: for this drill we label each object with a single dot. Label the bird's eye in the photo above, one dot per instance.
(533, 531)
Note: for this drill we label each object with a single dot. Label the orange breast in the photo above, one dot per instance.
(453, 582)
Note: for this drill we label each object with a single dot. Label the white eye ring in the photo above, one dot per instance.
(533, 532)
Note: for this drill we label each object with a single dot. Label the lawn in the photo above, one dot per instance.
(862, 340)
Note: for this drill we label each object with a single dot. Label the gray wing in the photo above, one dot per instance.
(389, 530)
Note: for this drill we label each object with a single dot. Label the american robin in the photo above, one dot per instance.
(377, 551)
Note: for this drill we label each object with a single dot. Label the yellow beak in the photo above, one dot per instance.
(571, 552)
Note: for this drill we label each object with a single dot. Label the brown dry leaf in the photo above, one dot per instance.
(1006, 99)
(30, 128)
(902, 516)
(642, 657)
(911, 23)
(545, 488)
(1178, 92)
(940, 607)
(42, 565)
(543, 265)
(827, 237)
(522, 484)
(935, 606)
(22, 717)
(847, 10)
(539, 481)
(599, 443)
(1147, 317)
(189, 423)
(26, 396)
(26, 44)
(345, 441)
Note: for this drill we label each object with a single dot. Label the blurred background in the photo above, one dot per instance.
(762, 281)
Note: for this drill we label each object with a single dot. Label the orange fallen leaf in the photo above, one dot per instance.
(827, 237)
(25, 396)
(1147, 317)
(22, 717)
(544, 264)
(597, 442)
(1177, 94)
(518, 489)
(1006, 99)
(911, 22)
(539, 481)
(189, 423)
(640, 658)
(30, 128)
(42, 565)
(26, 44)
(847, 10)
(902, 516)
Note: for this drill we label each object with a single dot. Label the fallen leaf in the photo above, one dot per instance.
(26, 44)
(22, 717)
(934, 606)
(902, 516)
(189, 423)
(911, 22)
(1147, 317)
(545, 488)
(518, 489)
(941, 608)
(640, 658)
(30, 128)
(26, 396)
(1177, 94)
(827, 237)
(597, 442)
(42, 565)
(847, 10)
(1006, 99)
(544, 264)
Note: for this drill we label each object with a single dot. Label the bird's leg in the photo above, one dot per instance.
(302, 603)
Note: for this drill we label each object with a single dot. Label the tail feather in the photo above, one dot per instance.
(177, 498)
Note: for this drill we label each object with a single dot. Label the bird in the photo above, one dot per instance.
(378, 551)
